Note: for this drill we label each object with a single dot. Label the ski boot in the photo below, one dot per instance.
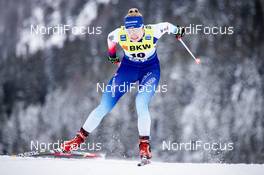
(73, 144)
(144, 150)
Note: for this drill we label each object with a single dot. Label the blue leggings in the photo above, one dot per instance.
(148, 75)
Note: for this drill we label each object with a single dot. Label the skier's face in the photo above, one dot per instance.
(135, 34)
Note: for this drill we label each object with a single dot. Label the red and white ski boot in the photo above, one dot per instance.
(144, 150)
(74, 143)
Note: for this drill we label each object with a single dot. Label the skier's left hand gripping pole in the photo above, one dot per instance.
(178, 37)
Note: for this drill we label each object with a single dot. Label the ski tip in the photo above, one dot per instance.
(92, 155)
(139, 164)
(144, 162)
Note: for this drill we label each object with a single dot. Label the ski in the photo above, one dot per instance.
(144, 161)
(60, 154)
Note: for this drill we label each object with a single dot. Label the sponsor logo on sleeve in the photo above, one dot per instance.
(111, 37)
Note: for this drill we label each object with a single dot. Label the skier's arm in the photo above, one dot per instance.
(166, 27)
(112, 41)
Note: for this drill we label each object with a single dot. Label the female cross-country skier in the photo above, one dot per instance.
(140, 63)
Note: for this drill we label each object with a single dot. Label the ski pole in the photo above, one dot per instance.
(197, 60)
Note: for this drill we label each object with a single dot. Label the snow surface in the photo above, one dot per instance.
(18, 165)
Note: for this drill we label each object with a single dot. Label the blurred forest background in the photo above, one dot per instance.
(48, 83)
